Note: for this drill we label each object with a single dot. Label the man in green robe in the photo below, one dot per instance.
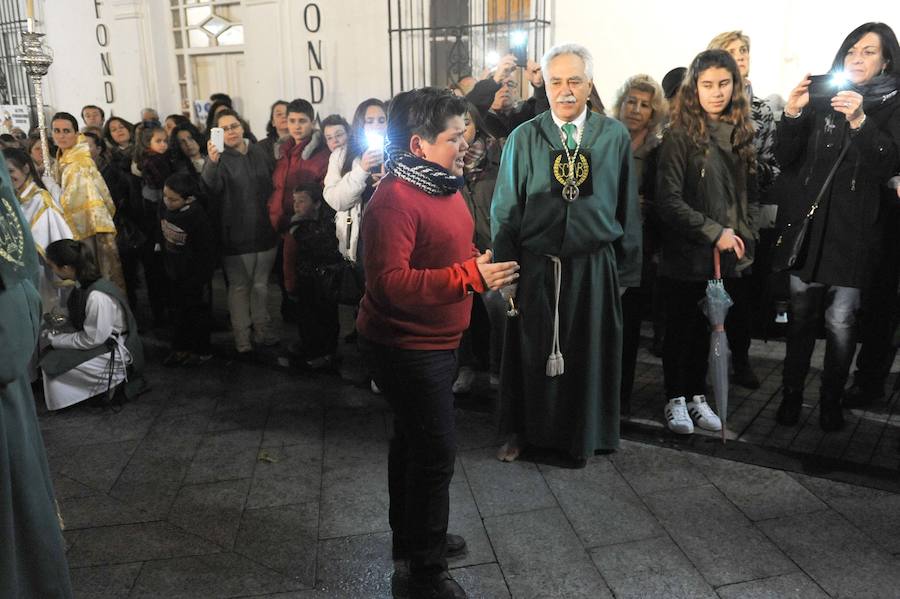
(32, 553)
(566, 208)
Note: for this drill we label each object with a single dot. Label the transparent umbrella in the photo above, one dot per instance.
(715, 305)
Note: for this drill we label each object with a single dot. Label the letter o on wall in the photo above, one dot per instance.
(318, 17)
(102, 35)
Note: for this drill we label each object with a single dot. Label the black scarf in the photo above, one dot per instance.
(878, 90)
(431, 178)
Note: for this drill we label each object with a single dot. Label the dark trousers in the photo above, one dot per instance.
(317, 319)
(878, 320)
(686, 346)
(840, 306)
(152, 261)
(191, 317)
(635, 303)
(417, 384)
(739, 321)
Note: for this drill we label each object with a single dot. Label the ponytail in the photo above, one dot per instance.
(69, 252)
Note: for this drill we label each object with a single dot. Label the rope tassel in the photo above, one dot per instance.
(555, 363)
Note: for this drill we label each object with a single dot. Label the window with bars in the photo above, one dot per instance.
(14, 85)
(438, 42)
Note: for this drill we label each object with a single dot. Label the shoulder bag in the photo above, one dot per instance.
(789, 251)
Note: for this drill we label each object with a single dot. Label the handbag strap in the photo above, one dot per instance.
(828, 179)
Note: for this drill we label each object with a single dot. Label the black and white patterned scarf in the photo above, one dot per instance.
(427, 176)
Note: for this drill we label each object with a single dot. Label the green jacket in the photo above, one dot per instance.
(699, 193)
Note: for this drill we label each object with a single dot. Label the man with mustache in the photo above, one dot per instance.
(565, 207)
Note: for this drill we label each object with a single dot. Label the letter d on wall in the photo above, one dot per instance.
(316, 89)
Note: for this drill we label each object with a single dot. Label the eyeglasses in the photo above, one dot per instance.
(232, 127)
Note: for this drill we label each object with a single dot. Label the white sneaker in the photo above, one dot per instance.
(702, 414)
(464, 380)
(677, 418)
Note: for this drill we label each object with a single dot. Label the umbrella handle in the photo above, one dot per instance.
(717, 263)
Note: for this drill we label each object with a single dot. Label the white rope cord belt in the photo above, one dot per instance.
(555, 364)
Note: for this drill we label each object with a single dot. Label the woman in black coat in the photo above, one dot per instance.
(858, 129)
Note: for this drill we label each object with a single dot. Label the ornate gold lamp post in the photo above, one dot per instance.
(36, 57)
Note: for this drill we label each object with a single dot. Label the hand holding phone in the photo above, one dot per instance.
(217, 137)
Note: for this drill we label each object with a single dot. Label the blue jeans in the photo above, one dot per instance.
(840, 305)
(417, 384)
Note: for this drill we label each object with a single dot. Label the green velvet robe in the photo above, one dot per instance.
(598, 239)
(32, 552)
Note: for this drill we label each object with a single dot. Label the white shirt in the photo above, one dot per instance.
(578, 122)
(103, 317)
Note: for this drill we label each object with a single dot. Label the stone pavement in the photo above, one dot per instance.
(240, 479)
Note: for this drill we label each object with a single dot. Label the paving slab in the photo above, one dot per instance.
(211, 511)
(650, 568)
(282, 538)
(838, 556)
(760, 493)
(482, 582)
(875, 512)
(355, 500)
(220, 576)
(788, 586)
(541, 556)
(129, 543)
(652, 469)
(504, 487)
(91, 511)
(104, 582)
(356, 566)
(719, 540)
(600, 505)
(466, 521)
(97, 466)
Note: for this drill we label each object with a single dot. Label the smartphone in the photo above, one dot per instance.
(521, 54)
(823, 88)
(217, 137)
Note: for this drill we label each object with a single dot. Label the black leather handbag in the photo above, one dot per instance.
(791, 245)
(342, 283)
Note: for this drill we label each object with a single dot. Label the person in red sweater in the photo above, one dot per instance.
(303, 163)
(421, 270)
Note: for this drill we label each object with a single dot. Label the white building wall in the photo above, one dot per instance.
(350, 38)
(788, 39)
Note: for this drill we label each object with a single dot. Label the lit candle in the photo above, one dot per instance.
(29, 12)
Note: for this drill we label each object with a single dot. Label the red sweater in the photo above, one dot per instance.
(420, 268)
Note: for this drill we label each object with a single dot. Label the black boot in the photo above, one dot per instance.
(862, 395)
(435, 586)
(791, 404)
(744, 375)
(831, 415)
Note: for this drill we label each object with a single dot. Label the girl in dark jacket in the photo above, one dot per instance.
(706, 200)
(484, 337)
(239, 180)
(858, 130)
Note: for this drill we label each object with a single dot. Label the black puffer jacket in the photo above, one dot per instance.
(847, 231)
(700, 192)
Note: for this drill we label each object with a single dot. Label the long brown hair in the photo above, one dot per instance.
(689, 116)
